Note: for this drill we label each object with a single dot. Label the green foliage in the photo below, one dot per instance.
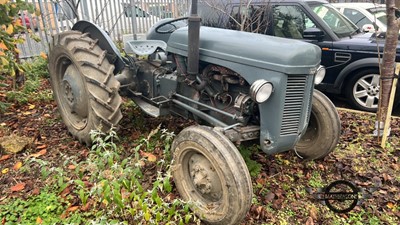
(119, 182)
(9, 26)
(253, 166)
(47, 206)
(34, 72)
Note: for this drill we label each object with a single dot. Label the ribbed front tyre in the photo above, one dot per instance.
(323, 131)
(211, 175)
(84, 85)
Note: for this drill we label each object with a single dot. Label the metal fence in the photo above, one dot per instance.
(122, 19)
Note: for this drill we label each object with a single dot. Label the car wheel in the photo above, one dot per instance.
(363, 90)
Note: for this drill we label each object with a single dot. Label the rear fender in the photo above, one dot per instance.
(104, 41)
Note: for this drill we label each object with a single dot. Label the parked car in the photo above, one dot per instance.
(349, 55)
(369, 17)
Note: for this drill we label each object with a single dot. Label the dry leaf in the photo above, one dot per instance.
(39, 220)
(40, 153)
(18, 187)
(71, 167)
(17, 165)
(4, 171)
(72, 208)
(4, 157)
(31, 106)
(150, 157)
(41, 147)
(310, 221)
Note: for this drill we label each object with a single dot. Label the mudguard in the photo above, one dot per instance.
(104, 41)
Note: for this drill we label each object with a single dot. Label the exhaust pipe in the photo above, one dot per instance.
(193, 41)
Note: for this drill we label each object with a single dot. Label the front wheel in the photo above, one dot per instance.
(211, 175)
(84, 85)
(323, 131)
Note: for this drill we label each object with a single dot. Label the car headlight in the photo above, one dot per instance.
(261, 90)
(319, 75)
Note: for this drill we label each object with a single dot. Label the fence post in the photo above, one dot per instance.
(133, 10)
(85, 10)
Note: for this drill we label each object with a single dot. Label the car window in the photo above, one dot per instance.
(338, 23)
(253, 18)
(379, 14)
(356, 17)
(290, 21)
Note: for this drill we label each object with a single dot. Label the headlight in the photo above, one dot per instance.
(319, 75)
(261, 90)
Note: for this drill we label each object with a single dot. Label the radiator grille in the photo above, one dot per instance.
(294, 101)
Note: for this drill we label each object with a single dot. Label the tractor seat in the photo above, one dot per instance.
(144, 47)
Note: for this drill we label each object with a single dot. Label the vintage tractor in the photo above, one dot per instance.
(239, 86)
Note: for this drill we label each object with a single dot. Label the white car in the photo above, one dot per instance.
(367, 16)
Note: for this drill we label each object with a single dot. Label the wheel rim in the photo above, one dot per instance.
(203, 177)
(72, 94)
(366, 91)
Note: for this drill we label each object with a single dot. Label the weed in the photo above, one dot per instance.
(315, 180)
(46, 207)
(253, 166)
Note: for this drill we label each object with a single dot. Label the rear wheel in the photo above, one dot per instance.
(211, 175)
(323, 131)
(84, 85)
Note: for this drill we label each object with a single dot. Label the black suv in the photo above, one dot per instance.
(349, 55)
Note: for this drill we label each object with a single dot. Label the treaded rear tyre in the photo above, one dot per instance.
(84, 85)
(323, 131)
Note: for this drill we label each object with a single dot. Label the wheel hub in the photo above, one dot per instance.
(75, 92)
(204, 177)
(373, 90)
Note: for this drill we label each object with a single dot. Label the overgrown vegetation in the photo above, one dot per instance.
(108, 186)
(10, 28)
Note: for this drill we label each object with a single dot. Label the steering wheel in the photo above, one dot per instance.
(170, 22)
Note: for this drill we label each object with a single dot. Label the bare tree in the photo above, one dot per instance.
(388, 65)
(243, 16)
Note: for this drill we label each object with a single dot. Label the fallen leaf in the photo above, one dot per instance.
(310, 221)
(313, 213)
(31, 106)
(71, 167)
(39, 220)
(40, 153)
(4, 171)
(4, 157)
(17, 165)
(72, 208)
(85, 207)
(36, 191)
(18, 187)
(41, 147)
(390, 205)
(3, 124)
(151, 157)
